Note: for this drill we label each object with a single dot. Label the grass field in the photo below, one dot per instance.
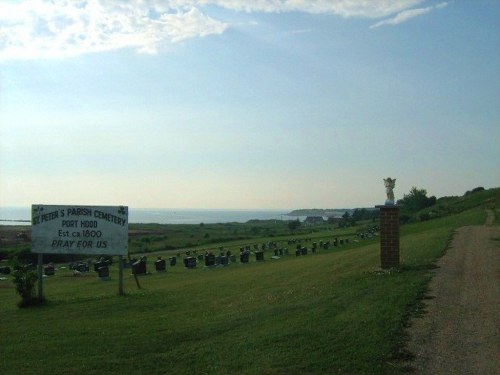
(333, 312)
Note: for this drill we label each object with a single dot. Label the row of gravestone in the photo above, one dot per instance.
(139, 266)
(225, 257)
(371, 232)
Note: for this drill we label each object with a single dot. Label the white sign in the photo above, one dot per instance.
(79, 229)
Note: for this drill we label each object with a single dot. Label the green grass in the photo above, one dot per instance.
(333, 312)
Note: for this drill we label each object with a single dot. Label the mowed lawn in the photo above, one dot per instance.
(333, 312)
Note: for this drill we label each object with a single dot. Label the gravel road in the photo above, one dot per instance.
(459, 333)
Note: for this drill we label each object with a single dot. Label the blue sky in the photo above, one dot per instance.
(246, 104)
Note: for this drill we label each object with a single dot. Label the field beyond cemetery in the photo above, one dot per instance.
(331, 312)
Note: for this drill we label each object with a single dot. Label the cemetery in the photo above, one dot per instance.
(312, 302)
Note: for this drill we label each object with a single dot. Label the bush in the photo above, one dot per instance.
(416, 200)
(475, 190)
(25, 279)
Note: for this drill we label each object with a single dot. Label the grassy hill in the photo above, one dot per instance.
(332, 312)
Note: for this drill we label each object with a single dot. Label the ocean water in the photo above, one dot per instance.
(22, 215)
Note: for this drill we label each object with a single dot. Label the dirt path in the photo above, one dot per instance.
(460, 331)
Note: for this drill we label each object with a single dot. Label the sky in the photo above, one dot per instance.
(246, 104)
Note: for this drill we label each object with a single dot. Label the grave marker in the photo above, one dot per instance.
(160, 265)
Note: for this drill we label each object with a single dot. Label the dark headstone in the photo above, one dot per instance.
(5, 270)
(224, 260)
(244, 257)
(82, 267)
(173, 261)
(49, 270)
(259, 256)
(98, 265)
(190, 262)
(139, 267)
(160, 265)
(103, 272)
(209, 260)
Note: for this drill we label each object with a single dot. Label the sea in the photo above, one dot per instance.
(22, 215)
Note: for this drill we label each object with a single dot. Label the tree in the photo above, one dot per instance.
(294, 225)
(346, 221)
(416, 200)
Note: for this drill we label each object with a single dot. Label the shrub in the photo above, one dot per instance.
(25, 279)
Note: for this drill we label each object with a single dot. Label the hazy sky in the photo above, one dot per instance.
(246, 104)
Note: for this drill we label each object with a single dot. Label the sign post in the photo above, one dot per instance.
(120, 275)
(40, 276)
(97, 230)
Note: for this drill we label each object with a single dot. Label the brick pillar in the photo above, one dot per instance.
(389, 236)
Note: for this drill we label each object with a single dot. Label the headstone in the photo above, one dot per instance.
(224, 260)
(103, 273)
(173, 261)
(298, 252)
(5, 270)
(49, 270)
(304, 251)
(100, 263)
(259, 256)
(139, 266)
(244, 257)
(209, 260)
(190, 262)
(82, 267)
(160, 265)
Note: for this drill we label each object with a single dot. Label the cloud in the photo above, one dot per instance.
(37, 29)
(343, 8)
(407, 15)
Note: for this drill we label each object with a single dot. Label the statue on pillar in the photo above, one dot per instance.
(389, 185)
